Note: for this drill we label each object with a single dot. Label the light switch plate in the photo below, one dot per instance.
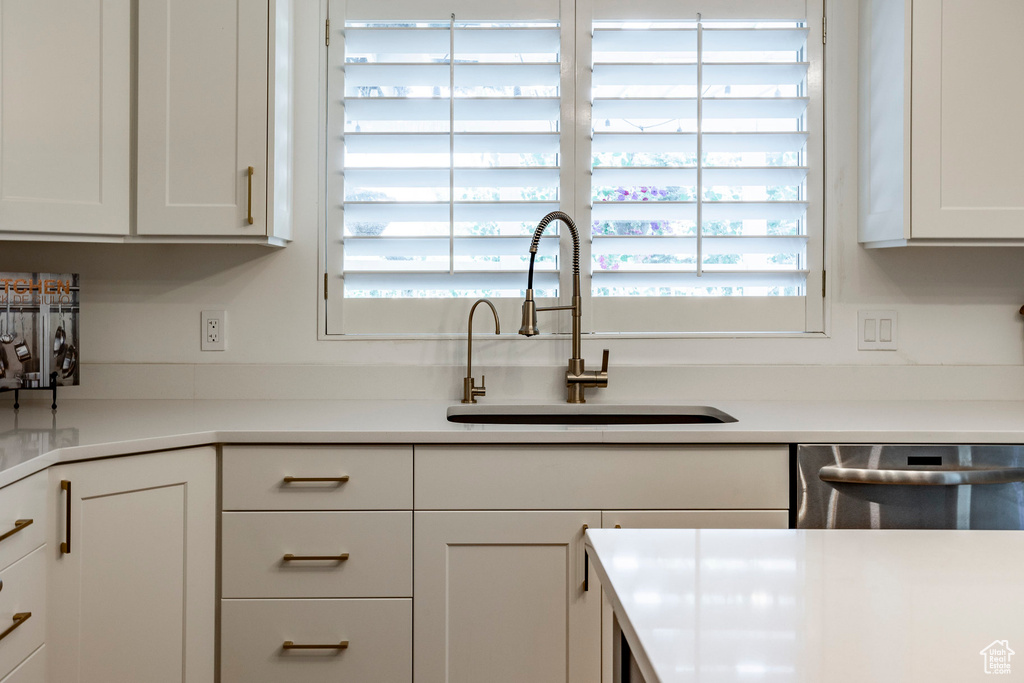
(876, 331)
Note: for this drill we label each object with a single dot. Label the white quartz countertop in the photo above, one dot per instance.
(34, 437)
(829, 606)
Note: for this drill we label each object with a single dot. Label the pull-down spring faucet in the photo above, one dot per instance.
(576, 378)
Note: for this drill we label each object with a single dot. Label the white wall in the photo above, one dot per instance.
(141, 304)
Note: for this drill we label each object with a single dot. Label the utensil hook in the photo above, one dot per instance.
(7, 316)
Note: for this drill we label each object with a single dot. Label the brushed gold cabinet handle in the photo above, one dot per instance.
(19, 619)
(586, 564)
(65, 545)
(19, 524)
(251, 171)
(336, 480)
(289, 645)
(314, 558)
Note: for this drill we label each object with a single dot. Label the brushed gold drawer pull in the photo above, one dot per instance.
(586, 563)
(289, 645)
(19, 524)
(315, 558)
(335, 480)
(251, 171)
(65, 545)
(19, 619)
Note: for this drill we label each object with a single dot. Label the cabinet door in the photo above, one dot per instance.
(32, 670)
(202, 117)
(65, 107)
(499, 598)
(966, 146)
(673, 519)
(134, 599)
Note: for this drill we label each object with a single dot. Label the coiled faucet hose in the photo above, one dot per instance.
(573, 232)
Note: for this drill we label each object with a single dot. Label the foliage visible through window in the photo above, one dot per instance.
(735, 91)
(694, 164)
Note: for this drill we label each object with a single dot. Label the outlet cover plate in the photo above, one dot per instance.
(213, 331)
(876, 331)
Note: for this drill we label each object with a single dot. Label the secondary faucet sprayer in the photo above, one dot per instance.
(576, 378)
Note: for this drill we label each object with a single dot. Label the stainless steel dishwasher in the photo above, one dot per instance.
(909, 487)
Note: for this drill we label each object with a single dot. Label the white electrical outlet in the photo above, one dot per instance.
(212, 331)
(876, 330)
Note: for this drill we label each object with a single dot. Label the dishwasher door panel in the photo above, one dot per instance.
(910, 487)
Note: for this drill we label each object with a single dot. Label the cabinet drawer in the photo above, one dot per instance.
(379, 547)
(32, 670)
(379, 635)
(24, 500)
(379, 478)
(23, 591)
(596, 477)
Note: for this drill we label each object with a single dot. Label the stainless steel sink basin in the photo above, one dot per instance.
(566, 414)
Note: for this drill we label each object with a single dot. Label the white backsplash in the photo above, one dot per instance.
(627, 384)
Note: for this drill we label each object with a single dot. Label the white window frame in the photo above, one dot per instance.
(575, 195)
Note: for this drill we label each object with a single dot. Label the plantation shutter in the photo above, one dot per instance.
(706, 167)
(444, 152)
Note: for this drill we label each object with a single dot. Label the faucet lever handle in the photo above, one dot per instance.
(483, 382)
(604, 361)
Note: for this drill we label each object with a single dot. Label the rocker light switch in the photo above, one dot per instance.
(885, 330)
(877, 330)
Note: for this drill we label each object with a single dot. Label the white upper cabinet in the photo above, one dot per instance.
(65, 115)
(212, 95)
(203, 96)
(941, 138)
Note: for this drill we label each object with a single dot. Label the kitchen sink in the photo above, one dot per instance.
(598, 414)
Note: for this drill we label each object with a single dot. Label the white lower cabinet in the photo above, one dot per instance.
(132, 593)
(498, 558)
(316, 564)
(22, 608)
(500, 598)
(32, 670)
(356, 640)
(23, 596)
(329, 572)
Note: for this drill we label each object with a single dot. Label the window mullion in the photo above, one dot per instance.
(576, 95)
(451, 145)
(700, 146)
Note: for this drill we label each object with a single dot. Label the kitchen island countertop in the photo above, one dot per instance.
(830, 606)
(34, 438)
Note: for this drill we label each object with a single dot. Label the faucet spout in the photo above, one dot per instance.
(529, 328)
(577, 379)
(469, 389)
